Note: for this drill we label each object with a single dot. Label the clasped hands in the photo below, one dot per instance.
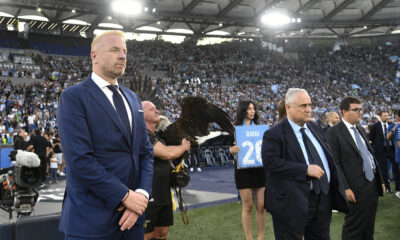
(133, 206)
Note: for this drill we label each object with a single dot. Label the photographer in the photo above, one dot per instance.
(20, 142)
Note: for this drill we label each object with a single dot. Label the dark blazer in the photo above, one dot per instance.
(288, 186)
(326, 128)
(103, 159)
(377, 138)
(348, 158)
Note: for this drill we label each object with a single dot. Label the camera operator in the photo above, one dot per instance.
(20, 142)
(41, 147)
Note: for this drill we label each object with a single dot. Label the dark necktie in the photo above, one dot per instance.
(314, 158)
(120, 107)
(369, 174)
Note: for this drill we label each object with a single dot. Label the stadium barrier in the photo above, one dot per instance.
(4, 158)
(43, 227)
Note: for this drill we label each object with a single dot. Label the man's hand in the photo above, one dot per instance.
(350, 196)
(383, 189)
(136, 202)
(186, 144)
(128, 219)
(315, 171)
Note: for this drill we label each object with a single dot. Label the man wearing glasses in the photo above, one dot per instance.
(359, 170)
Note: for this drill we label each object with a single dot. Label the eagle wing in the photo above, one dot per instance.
(143, 87)
(197, 115)
(200, 114)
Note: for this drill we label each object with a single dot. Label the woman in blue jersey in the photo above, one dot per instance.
(251, 180)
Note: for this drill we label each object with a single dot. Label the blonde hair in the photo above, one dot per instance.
(329, 114)
(111, 32)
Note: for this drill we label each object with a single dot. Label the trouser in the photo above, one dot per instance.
(317, 224)
(136, 233)
(359, 223)
(388, 154)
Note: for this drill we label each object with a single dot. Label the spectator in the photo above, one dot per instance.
(53, 167)
(20, 142)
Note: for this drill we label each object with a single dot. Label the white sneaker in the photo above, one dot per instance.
(191, 169)
(199, 169)
(398, 194)
(62, 174)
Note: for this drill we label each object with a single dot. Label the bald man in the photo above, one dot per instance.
(333, 118)
(159, 216)
(107, 150)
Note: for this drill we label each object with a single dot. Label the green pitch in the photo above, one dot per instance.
(223, 222)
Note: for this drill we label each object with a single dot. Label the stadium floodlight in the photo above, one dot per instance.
(73, 11)
(220, 24)
(275, 19)
(158, 22)
(127, 7)
(154, 10)
(39, 9)
(146, 9)
(109, 17)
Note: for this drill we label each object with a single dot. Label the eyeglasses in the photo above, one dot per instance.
(357, 110)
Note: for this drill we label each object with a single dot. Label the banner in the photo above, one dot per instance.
(249, 139)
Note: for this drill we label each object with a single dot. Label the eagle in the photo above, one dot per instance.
(194, 122)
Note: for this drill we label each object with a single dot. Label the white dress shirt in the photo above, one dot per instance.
(349, 127)
(102, 84)
(296, 129)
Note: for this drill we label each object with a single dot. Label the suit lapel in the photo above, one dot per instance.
(380, 130)
(104, 103)
(320, 139)
(292, 141)
(347, 136)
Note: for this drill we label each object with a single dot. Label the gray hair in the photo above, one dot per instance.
(290, 94)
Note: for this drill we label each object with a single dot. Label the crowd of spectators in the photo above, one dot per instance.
(224, 74)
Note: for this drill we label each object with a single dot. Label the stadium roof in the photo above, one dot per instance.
(239, 18)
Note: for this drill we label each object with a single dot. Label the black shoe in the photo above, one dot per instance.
(388, 190)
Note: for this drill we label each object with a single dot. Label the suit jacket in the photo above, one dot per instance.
(378, 138)
(348, 158)
(288, 186)
(326, 127)
(103, 159)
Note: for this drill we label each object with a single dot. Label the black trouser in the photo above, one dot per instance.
(317, 224)
(43, 166)
(388, 154)
(359, 223)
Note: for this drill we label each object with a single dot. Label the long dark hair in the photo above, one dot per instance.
(241, 112)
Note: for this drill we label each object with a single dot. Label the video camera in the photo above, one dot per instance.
(17, 183)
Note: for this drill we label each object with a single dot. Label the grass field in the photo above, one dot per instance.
(223, 222)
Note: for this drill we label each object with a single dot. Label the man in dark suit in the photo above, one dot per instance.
(358, 169)
(107, 150)
(303, 184)
(333, 118)
(384, 149)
